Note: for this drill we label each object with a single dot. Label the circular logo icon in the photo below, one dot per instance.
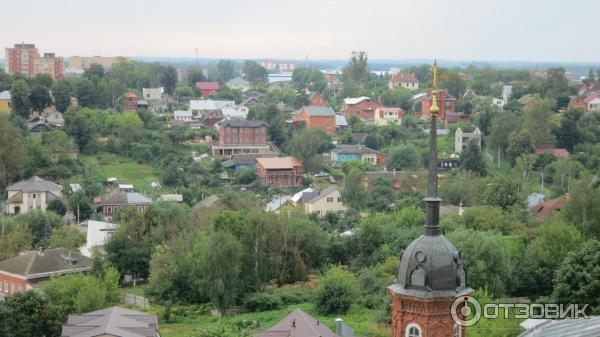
(466, 311)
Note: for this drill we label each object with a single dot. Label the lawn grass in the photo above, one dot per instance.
(360, 319)
(124, 169)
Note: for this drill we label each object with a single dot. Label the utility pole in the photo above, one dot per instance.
(542, 183)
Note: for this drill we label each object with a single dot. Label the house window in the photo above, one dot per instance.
(329, 199)
(413, 330)
(33, 196)
(6, 286)
(12, 285)
(109, 210)
(339, 199)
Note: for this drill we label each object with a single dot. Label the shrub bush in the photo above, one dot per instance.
(336, 291)
(262, 302)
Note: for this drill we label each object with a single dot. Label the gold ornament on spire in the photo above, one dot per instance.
(434, 109)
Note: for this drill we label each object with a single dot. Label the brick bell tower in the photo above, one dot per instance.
(431, 274)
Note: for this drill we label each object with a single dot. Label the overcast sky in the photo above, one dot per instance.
(523, 30)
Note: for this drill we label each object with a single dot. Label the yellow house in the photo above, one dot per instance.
(327, 200)
(5, 103)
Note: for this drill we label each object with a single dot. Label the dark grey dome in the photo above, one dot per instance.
(431, 264)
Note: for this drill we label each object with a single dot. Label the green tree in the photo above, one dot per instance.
(78, 124)
(30, 314)
(57, 206)
(502, 191)
(486, 263)
(195, 74)
(502, 126)
(354, 193)
(168, 79)
(336, 291)
(95, 73)
(254, 72)
(225, 70)
(556, 83)
(19, 92)
(39, 98)
(568, 133)
(307, 145)
(357, 69)
(129, 257)
(62, 92)
(40, 224)
(86, 93)
(66, 237)
(81, 205)
(219, 269)
(538, 121)
(472, 160)
(576, 280)
(12, 152)
(582, 209)
(404, 157)
(555, 241)
(519, 143)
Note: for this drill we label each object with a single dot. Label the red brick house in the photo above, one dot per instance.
(317, 117)
(283, 172)
(130, 101)
(238, 136)
(363, 107)
(577, 103)
(25, 271)
(318, 99)
(547, 208)
(207, 88)
(446, 103)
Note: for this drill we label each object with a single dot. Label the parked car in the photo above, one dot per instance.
(321, 174)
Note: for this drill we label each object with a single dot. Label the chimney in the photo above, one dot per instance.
(338, 326)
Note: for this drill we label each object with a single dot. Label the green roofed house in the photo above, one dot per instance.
(29, 268)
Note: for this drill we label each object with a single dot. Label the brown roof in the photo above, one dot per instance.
(547, 208)
(298, 324)
(130, 94)
(278, 163)
(114, 321)
(36, 264)
(403, 77)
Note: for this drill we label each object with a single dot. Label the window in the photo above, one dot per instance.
(413, 330)
(5, 286)
(109, 210)
(339, 199)
(33, 196)
(329, 199)
(457, 332)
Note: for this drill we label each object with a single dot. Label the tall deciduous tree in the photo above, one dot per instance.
(308, 145)
(12, 152)
(404, 157)
(472, 160)
(354, 193)
(568, 133)
(78, 124)
(21, 105)
(519, 143)
(39, 98)
(358, 67)
(254, 72)
(538, 121)
(168, 79)
(62, 92)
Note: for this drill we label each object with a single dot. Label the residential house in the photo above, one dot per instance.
(577, 103)
(183, 115)
(296, 198)
(109, 204)
(26, 270)
(499, 102)
(547, 208)
(238, 83)
(455, 117)
(206, 89)
(557, 152)
(152, 94)
(469, 95)
(404, 80)
(97, 234)
(462, 139)
(279, 79)
(53, 116)
(5, 102)
(113, 322)
(525, 100)
(360, 137)
(209, 107)
(279, 203)
(506, 93)
(323, 202)
(340, 123)
(238, 111)
(346, 153)
(237, 136)
(318, 99)
(322, 117)
(573, 327)
(280, 65)
(34, 193)
(363, 107)
(245, 160)
(298, 324)
(171, 197)
(388, 116)
(283, 172)
(535, 199)
(446, 103)
(333, 77)
(130, 101)
(592, 103)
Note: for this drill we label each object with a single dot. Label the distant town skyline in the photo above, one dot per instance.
(511, 30)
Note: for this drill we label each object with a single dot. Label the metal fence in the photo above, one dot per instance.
(135, 300)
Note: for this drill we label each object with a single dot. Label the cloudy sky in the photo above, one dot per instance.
(523, 30)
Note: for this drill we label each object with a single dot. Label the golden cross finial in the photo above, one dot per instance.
(434, 109)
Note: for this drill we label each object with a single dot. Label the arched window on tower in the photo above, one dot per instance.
(413, 330)
(457, 331)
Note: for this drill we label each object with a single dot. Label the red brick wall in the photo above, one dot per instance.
(445, 105)
(433, 316)
(364, 109)
(242, 136)
(13, 284)
(318, 100)
(327, 123)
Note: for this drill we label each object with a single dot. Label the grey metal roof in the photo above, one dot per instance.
(581, 327)
(360, 149)
(318, 111)
(34, 264)
(277, 202)
(35, 184)
(311, 197)
(242, 123)
(5, 94)
(112, 321)
(125, 198)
